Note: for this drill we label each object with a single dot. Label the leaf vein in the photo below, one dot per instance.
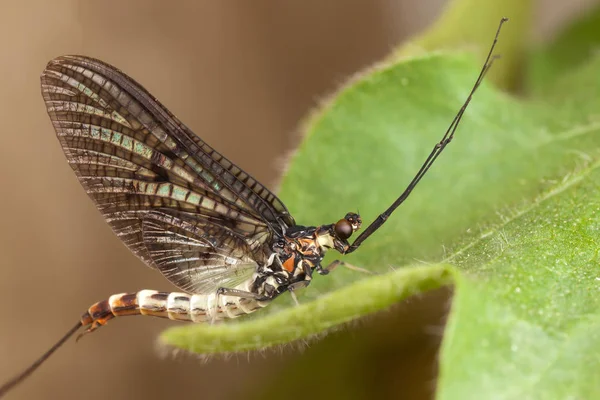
(565, 184)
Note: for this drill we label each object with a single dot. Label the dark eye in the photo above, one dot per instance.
(343, 229)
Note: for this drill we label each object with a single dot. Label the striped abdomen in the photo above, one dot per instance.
(175, 306)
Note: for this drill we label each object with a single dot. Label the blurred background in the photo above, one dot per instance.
(241, 75)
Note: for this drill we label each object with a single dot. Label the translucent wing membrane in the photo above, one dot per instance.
(133, 156)
(195, 254)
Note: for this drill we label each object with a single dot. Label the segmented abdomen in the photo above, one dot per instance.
(172, 305)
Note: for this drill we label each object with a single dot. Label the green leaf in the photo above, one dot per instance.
(526, 311)
(513, 204)
(311, 318)
(333, 173)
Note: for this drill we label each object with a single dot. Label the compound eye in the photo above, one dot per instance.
(343, 229)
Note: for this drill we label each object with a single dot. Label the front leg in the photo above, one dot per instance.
(326, 270)
(336, 263)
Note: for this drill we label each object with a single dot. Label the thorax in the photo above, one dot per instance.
(293, 259)
(304, 249)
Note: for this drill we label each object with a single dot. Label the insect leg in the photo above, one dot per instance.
(437, 150)
(336, 263)
(241, 293)
(293, 294)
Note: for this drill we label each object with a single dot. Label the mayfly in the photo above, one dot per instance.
(220, 236)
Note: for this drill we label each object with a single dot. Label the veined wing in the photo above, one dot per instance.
(195, 254)
(132, 156)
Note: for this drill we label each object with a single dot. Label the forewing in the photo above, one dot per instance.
(195, 254)
(133, 156)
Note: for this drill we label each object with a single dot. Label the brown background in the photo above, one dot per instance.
(241, 75)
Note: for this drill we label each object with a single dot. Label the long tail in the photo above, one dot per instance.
(23, 375)
(175, 306)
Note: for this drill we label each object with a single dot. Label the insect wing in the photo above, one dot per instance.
(133, 156)
(197, 255)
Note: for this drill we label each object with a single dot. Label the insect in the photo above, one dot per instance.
(227, 242)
